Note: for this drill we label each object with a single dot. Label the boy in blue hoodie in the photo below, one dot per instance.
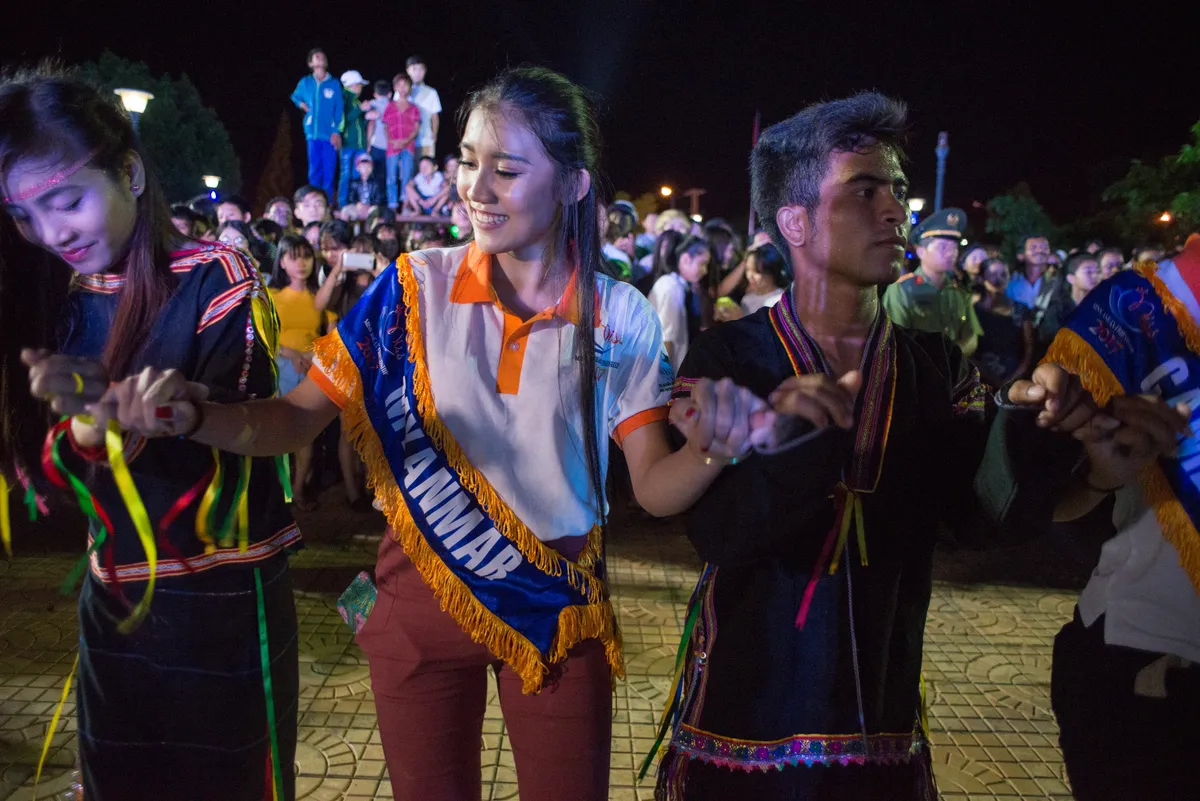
(319, 96)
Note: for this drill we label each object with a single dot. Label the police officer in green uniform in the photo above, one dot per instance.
(932, 298)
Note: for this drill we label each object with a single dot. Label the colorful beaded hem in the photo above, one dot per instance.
(801, 749)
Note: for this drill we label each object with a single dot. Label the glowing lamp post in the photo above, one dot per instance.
(212, 182)
(1165, 218)
(668, 192)
(915, 205)
(135, 102)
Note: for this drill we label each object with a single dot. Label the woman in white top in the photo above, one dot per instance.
(482, 384)
(674, 293)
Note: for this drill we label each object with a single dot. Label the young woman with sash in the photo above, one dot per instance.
(1127, 667)
(187, 667)
(481, 384)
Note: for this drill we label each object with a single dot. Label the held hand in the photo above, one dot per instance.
(1148, 429)
(335, 139)
(819, 399)
(720, 418)
(155, 403)
(1063, 404)
(67, 383)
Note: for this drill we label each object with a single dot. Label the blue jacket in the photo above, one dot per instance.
(325, 115)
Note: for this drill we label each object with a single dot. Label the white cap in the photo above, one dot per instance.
(351, 77)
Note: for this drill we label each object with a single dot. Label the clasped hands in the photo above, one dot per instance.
(723, 421)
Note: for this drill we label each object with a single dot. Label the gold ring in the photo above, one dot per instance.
(78, 383)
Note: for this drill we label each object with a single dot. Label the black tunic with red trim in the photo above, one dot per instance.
(831, 709)
(206, 331)
(178, 707)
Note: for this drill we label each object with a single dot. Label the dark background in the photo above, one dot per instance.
(1058, 94)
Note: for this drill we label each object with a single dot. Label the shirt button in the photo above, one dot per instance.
(515, 346)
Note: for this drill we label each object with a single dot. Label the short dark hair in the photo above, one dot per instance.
(277, 199)
(382, 87)
(691, 246)
(769, 261)
(430, 159)
(401, 76)
(307, 190)
(791, 157)
(339, 230)
(313, 52)
(411, 60)
(1100, 254)
(1025, 241)
(267, 230)
(1080, 259)
(236, 200)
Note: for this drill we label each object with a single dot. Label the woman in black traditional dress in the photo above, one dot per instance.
(187, 690)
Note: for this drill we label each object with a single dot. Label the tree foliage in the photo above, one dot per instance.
(1017, 214)
(183, 138)
(1147, 190)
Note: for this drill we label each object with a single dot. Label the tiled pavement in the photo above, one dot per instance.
(987, 667)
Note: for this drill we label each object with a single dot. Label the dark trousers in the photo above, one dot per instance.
(322, 166)
(379, 175)
(1117, 745)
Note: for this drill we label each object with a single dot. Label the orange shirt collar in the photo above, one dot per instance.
(473, 284)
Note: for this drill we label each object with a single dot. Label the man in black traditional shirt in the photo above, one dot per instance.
(802, 674)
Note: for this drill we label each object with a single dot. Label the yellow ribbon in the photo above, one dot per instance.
(210, 497)
(62, 701)
(243, 512)
(851, 510)
(5, 521)
(115, 444)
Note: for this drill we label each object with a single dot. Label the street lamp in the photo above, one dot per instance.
(667, 191)
(1165, 217)
(697, 218)
(915, 204)
(212, 182)
(135, 102)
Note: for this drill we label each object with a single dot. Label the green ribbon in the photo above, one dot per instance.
(668, 714)
(84, 497)
(265, 652)
(31, 502)
(283, 466)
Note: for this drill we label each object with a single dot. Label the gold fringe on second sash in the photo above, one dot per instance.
(576, 623)
(1070, 351)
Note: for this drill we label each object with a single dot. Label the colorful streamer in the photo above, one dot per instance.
(268, 689)
(5, 522)
(115, 443)
(62, 701)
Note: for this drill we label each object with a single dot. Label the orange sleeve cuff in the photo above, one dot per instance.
(321, 380)
(631, 424)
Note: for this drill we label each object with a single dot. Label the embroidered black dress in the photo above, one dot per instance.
(784, 697)
(177, 708)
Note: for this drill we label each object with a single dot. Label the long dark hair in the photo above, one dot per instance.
(50, 114)
(298, 247)
(563, 118)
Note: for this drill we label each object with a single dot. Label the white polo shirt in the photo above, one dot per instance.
(426, 99)
(507, 389)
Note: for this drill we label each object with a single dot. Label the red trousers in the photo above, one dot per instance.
(430, 684)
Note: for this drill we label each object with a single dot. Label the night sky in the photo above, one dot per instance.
(1027, 92)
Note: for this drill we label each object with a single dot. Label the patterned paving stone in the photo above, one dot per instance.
(987, 670)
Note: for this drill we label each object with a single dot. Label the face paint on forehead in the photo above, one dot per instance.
(53, 180)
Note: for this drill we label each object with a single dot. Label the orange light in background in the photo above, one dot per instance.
(666, 191)
(1165, 217)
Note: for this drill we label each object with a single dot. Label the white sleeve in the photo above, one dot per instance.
(668, 298)
(435, 102)
(640, 388)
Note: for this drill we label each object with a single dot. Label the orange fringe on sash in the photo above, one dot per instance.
(576, 623)
(1071, 352)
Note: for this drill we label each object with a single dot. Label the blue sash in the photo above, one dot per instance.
(1132, 336)
(524, 601)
